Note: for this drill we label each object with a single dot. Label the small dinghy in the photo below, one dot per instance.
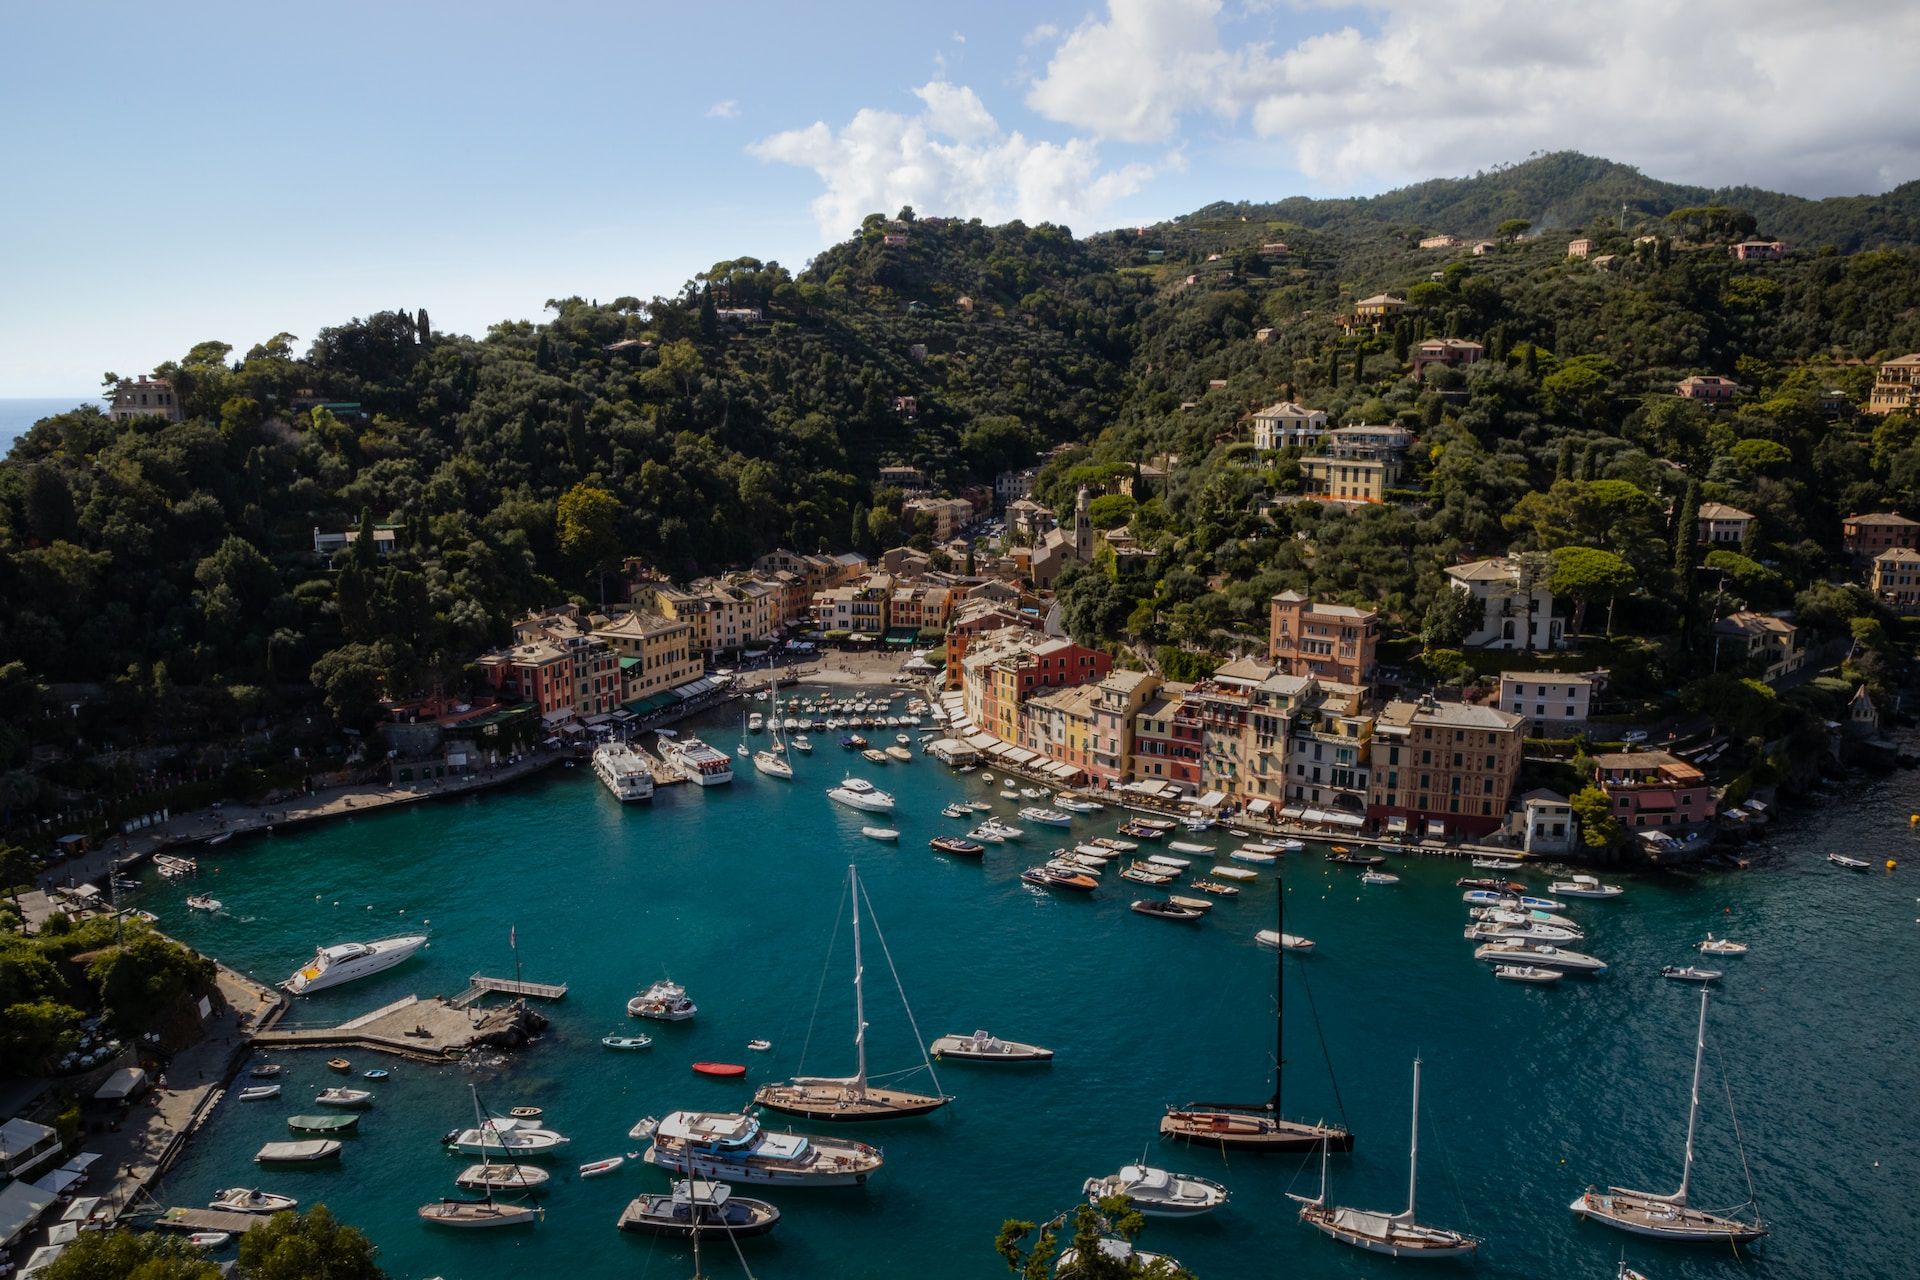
(1525, 973)
(1379, 877)
(266, 1071)
(1216, 889)
(880, 833)
(209, 1239)
(724, 1070)
(1691, 973)
(339, 1064)
(375, 1073)
(759, 1046)
(627, 1042)
(260, 1093)
(250, 1200)
(1196, 904)
(526, 1113)
(599, 1168)
(344, 1098)
(1723, 947)
(982, 1047)
(1165, 910)
(1851, 864)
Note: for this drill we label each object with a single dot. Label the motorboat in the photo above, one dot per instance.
(1288, 846)
(1378, 877)
(201, 902)
(310, 1151)
(1033, 793)
(1837, 859)
(1118, 846)
(1156, 1192)
(883, 834)
(1188, 846)
(1526, 973)
(1164, 910)
(1671, 1217)
(707, 766)
(664, 1001)
(803, 744)
(627, 1042)
(1069, 865)
(955, 845)
(1215, 888)
(733, 1145)
(1399, 1235)
(1285, 941)
(1585, 887)
(497, 1136)
(1074, 804)
(1142, 873)
(1509, 901)
(873, 755)
(1542, 955)
(1166, 863)
(174, 867)
(1723, 947)
(600, 1168)
(344, 1098)
(350, 961)
(983, 1047)
(323, 1123)
(1094, 853)
(1501, 915)
(984, 836)
(484, 1212)
(1141, 831)
(1496, 864)
(756, 721)
(1490, 931)
(695, 1207)
(1490, 885)
(854, 1097)
(858, 793)
(623, 771)
(1047, 878)
(259, 1093)
(502, 1177)
(1691, 973)
(1344, 857)
(251, 1200)
(1049, 817)
(900, 754)
(1005, 831)
(957, 811)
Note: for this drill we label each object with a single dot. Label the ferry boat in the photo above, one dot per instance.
(702, 764)
(350, 961)
(858, 793)
(623, 770)
(732, 1146)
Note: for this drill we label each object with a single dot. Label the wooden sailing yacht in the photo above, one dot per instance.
(852, 1097)
(1398, 1235)
(1257, 1126)
(1670, 1217)
(454, 1211)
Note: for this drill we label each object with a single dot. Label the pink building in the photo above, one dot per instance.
(1653, 789)
(1759, 250)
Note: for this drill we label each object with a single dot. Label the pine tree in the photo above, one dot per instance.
(859, 528)
(1685, 580)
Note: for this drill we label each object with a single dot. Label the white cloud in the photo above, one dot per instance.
(1715, 92)
(953, 158)
(725, 109)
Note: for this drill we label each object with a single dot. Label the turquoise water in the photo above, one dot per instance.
(1530, 1094)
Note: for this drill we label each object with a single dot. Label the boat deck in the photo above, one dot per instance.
(182, 1219)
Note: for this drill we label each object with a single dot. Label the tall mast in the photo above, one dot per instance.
(1693, 1107)
(1413, 1145)
(859, 995)
(1279, 996)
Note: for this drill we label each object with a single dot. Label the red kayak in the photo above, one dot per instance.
(719, 1069)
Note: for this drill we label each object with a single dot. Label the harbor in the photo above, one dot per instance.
(732, 891)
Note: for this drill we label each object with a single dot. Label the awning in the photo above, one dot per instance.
(651, 703)
(1000, 749)
(695, 688)
(602, 718)
(121, 1085)
(1396, 824)
(983, 742)
(1020, 755)
(1211, 800)
(557, 717)
(1255, 806)
(57, 1182)
(1332, 817)
(21, 1205)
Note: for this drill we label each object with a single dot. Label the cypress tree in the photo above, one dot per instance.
(1402, 340)
(1563, 466)
(424, 327)
(543, 353)
(1532, 366)
(1359, 365)
(1333, 367)
(709, 318)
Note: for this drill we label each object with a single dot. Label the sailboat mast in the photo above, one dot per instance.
(1693, 1107)
(1413, 1144)
(1279, 995)
(859, 993)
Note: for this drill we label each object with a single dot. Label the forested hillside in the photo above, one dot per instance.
(172, 563)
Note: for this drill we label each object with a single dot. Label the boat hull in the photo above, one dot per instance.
(732, 1168)
(844, 1106)
(657, 1215)
(1657, 1218)
(1418, 1243)
(1251, 1131)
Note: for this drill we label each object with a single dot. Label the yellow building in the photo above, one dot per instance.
(656, 654)
(1349, 479)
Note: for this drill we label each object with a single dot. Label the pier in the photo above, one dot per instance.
(435, 1030)
(180, 1219)
(664, 774)
(481, 985)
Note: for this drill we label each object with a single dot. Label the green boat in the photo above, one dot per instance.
(323, 1124)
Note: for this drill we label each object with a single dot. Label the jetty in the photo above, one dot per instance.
(180, 1219)
(433, 1030)
(664, 773)
(480, 986)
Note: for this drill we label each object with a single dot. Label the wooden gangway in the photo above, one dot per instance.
(665, 773)
(481, 985)
(210, 1220)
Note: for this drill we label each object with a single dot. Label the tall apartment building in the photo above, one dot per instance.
(1443, 768)
(656, 654)
(1332, 641)
(558, 665)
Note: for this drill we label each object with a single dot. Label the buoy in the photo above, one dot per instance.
(1892, 863)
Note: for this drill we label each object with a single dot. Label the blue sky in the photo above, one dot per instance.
(229, 171)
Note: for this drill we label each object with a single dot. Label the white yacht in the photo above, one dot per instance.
(1584, 887)
(702, 764)
(858, 793)
(348, 961)
(664, 1001)
(504, 1136)
(1540, 955)
(1157, 1193)
(732, 1146)
(623, 770)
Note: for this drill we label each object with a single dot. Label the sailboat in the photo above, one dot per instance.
(772, 761)
(452, 1211)
(1257, 1126)
(852, 1097)
(1670, 1217)
(1398, 1235)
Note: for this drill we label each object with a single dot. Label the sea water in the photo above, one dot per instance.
(1530, 1094)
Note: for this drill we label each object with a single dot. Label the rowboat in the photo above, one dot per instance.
(297, 1152)
(1289, 941)
(1165, 910)
(1193, 904)
(596, 1168)
(626, 1042)
(1141, 873)
(344, 1098)
(323, 1124)
(339, 1064)
(1218, 890)
(260, 1093)
(725, 1070)
(1851, 864)
(1234, 873)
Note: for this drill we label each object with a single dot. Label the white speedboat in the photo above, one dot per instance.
(1378, 877)
(1525, 973)
(623, 771)
(957, 811)
(733, 1146)
(350, 961)
(982, 1047)
(880, 833)
(756, 721)
(983, 836)
(1500, 915)
(499, 1136)
(1540, 955)
(1723, 947)
(1691, 973)
(1005, 831)
(1485, 931)
(1584, 887)
(664, 1001)
(251, 1200)
(1157, 1193)
(1074, 804)
(803, 744)
(858, 793)
(1050, 817)
(1288, 941)
(201, 902)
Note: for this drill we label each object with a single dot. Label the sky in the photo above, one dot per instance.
(224, 171)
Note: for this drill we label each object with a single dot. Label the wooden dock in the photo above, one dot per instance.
(481, 985)
(664, 773)
(180, 1219)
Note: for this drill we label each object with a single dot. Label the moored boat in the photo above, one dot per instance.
(698, 1206)
(502, 1177)
(1378, 877)
(350, 961)
(1526, 973)
(600, 1168)
(1584, 887)
(454, 1212)
(664, 1001)
(344, 1098)
(1216, 889)
(323, 1123)
(623, 771)
(858, 793)
(308, 1152)
(627, 1042)
(734, 1146)
(958, 847)
(1157, 1193)
(1723, 947)
(1837, 859)
(251, 1200)
(1691, 973)
(1164, 910)
(880, 833)
(1540, 955)
(201, 902)
(259, 1093)
(702, 764)
(982, 1047)
(720, 1070)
